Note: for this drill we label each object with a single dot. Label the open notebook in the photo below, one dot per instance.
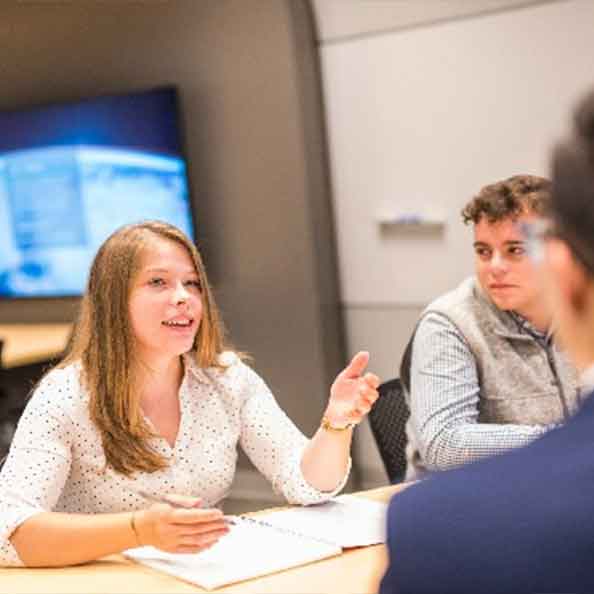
(257, 546)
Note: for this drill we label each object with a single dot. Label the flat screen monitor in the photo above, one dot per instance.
(71, 173)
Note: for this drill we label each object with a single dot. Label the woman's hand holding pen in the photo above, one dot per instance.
(179, 525)
(353, 393)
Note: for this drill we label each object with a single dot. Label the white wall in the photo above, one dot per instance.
(418, 120)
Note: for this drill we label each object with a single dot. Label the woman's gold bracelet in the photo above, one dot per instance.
(328, 426)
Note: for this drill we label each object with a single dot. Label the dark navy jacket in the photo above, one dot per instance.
(517, 523)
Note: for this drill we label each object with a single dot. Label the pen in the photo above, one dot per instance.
(161, 499)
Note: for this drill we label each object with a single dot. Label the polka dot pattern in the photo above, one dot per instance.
(56, 461)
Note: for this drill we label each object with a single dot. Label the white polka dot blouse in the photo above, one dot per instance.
(56, 461)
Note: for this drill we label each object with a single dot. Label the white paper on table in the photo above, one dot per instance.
(346, 520)
(250, 550)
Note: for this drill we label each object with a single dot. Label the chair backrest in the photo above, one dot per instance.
(388, 418)
(405, 364)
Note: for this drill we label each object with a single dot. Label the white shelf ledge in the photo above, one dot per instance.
(411, 224)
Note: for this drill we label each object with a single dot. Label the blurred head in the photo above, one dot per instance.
(569, 249)
(503, 268)
(147, 296)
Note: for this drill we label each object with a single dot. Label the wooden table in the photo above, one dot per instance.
(24, 344)
(355, 571)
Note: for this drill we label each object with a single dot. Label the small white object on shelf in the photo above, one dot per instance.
(411, 222)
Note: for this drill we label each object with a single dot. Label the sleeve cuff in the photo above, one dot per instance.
(297, 490)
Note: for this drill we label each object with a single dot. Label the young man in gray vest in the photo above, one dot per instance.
(482, 373)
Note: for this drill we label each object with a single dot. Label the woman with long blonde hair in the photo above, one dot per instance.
(150, 403)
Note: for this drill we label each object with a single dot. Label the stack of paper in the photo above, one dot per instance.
(261, 545)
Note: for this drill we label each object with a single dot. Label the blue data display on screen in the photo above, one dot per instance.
(71, 174)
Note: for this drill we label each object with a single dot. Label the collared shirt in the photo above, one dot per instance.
(56, 461)
(444, 425)
(525, 327)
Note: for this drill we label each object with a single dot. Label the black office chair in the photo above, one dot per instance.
(388, 419)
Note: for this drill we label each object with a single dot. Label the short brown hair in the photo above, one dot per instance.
(103, 343)
(509, 199)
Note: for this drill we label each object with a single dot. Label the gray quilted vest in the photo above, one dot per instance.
(521, 382)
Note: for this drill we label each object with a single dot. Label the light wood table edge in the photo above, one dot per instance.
(356, 570)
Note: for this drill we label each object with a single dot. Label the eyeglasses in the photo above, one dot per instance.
(535, 234)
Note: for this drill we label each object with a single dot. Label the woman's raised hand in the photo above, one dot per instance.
(180, 526)
(353, 393)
